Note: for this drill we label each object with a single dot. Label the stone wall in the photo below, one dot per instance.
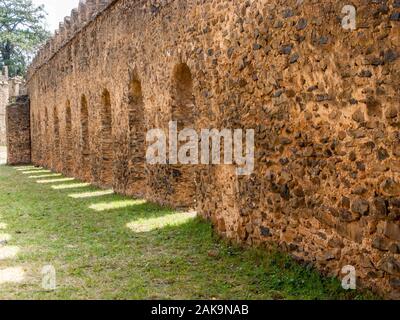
(324, 102)
(18, 132)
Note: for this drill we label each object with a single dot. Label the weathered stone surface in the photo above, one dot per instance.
(381, 243)
(382, 154)
(392, 230)
(18, 132)
(322, 101)
(9, 89)
(348, 216)
(265, 232)
(358, 116)
(394, 248)
(379, 207)
(390, 265)
(395, 283)
(360, 206)
(391, 187)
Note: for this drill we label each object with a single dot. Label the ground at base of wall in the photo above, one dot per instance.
(106, 246)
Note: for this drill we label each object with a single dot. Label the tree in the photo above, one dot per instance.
(22, 32)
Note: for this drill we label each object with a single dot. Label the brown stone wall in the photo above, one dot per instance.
(9, 89)
(324, 102)
(18, 132)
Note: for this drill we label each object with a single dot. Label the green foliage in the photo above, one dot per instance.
(22, 32)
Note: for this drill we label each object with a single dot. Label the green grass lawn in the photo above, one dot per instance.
(106, 246)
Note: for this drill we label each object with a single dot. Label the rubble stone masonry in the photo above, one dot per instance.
(18, 132)
(324, 103)
(10, 88)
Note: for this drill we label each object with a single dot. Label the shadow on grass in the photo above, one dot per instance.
(99, 200)
(134, 249)
(189, 256)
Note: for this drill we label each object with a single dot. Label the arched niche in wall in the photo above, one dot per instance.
(37, 137)
(84, 136)
(183, 101)
(46, 143)
(183, 107)
(107, 145)
(68, 137)
(56, 128)
(136, 136)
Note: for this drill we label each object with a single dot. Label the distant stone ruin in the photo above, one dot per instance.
(324, 101)
(9, 89)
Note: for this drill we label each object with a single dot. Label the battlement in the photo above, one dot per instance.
(84, 14)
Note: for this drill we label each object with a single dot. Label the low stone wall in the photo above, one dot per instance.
(324, 103)
(18, 132)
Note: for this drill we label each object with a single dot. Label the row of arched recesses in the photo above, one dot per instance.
(183, 111)
(54, 156)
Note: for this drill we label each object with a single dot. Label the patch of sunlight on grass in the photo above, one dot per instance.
(5, 237)
(70, 186)
(55, 180)
(13, 275)
(91, 194)
(110, 205)
(147, 225)
(36, 171)
(8, 252)
(3, 225)
(53, 175)
(28, 168)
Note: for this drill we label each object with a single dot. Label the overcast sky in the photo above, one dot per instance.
(57, 10)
